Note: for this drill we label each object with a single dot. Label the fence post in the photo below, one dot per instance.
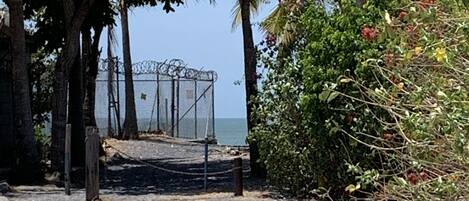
(117, 104)
(177, 106)
(172, 105)
(109, 101)
(195, 108)
(110, 93)
(166, 115)
(205, 163)
(158, 101)
(92, 167)
(238, 176)
(68, 136)
(213, 107)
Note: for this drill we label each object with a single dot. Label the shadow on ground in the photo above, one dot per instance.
(129, 177)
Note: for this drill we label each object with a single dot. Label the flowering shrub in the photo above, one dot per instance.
(373, 102)
(425, 92)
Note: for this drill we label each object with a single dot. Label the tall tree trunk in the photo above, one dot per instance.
(91, 75)
(59, 115)
(75, 111)
(28, 160)
(130, 122)
(251, 84)
(64, 63)
(110, 79)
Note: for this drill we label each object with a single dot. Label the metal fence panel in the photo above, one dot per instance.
(169, 98)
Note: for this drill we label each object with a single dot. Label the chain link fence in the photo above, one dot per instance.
(170, 98)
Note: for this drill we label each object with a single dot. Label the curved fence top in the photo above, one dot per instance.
(172, 68)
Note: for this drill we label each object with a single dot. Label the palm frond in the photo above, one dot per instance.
(236, 11)
(275, 22)
(289, 33)
(112, 39)
(279, 24)
(213, 2)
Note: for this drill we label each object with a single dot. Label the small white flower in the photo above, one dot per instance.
(377, 91)
(387, 17)
(413, 9)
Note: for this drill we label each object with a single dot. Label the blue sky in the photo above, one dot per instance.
(201, 35)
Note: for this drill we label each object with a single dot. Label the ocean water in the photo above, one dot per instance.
(228, 131)
(231, 131)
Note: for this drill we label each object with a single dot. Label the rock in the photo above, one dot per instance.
(234, 152)
(3, 198)
(54, 177)
(4, 187)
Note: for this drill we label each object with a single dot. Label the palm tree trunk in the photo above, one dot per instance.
(59, 115)
(76, 116)
(65, 62)
(28, 161)
(130, 122)
(91, 74)
(110, 89)
(251, 84)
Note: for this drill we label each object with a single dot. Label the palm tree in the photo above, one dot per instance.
(65, 62)
(282, 23)
(28, 163)
(130, 121)
(278, 24)
(242, 14)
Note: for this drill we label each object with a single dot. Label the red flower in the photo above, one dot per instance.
(369, 33)
(389, 59)
(402, 15)
(388, 136)
(409, 28)
(412, 177)
(424, 176)
(271, 40)
(349, 118)
(425, 4)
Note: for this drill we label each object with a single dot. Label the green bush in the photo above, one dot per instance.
(352, 113)
(43, 142)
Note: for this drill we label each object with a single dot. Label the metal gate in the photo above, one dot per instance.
(169, 97)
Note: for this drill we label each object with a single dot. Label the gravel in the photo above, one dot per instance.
(125, 178)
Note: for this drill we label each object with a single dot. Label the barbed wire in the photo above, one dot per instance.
(175, 171)
(172, 68)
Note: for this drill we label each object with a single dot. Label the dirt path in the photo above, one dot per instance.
(130, 175)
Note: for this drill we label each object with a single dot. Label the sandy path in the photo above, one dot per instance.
(128, 179)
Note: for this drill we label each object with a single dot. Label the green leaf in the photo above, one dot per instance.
(328, 96)
(332, 96)
(324, 95)
(351, 188)
(345, 80)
